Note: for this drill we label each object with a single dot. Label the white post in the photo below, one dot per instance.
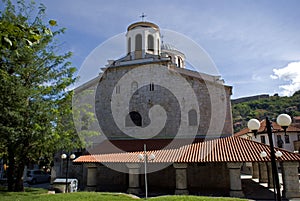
(145, 161)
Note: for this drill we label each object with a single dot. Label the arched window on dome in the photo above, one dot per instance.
(179, 62)
(129, 45)
(150, 43)
(158, 48)
(138, 42)
(192, 117)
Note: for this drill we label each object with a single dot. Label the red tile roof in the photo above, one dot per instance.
(229, 149)
(263, 129)
(116, 146)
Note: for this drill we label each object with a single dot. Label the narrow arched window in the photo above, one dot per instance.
(118, 89)
(179, 61)
(138, 42)
(151, 86)
(150, 43)
(158, 46)
(192, 115)
(129, 45)
(134, 86)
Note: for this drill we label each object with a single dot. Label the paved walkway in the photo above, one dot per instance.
(259, 191)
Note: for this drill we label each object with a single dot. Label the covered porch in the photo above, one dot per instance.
(211, 167)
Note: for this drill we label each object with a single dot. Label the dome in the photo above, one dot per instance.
(143, 38)
(143, 25)
(176, 56)
(166, 46)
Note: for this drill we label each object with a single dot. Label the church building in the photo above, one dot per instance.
(152, 108)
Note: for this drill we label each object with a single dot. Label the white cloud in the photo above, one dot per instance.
(257, 77)
(290, 74)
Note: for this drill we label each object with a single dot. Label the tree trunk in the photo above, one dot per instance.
(19, 177)
(10, 169)
(19, 171)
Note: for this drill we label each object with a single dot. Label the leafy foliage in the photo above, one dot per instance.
(266, 107)
(35, 118)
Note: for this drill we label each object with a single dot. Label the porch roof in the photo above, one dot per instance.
(229, 149)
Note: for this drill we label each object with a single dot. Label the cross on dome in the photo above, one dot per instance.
(143, 16)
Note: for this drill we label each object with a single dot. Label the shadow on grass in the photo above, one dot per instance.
(27, 192)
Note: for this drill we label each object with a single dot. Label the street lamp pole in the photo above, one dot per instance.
(145, 157)
(67, 157)
(273, 162)
(284, 121)
(145, 165)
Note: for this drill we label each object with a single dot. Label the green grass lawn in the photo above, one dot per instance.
(33, 194)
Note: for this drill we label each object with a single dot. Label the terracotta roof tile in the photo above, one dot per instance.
(115, 146)
(229, 149)
(263, 129)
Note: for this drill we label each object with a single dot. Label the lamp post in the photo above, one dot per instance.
(144, 157)
(67, 157)
(284, 121)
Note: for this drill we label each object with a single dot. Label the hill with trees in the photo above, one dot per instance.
(266, 106)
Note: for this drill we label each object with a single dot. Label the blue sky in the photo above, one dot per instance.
(247, 39)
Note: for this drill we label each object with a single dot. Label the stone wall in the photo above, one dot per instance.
(208, 178)
(202, 179)
(161, 181)
(212, 99)
(110, 180)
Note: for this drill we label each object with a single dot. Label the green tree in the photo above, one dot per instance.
(35, 118)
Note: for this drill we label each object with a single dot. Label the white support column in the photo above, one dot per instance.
(255, 170)
(290, 179)
(235, 179)
(91, 181)
(134, 181)
(181, 179)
